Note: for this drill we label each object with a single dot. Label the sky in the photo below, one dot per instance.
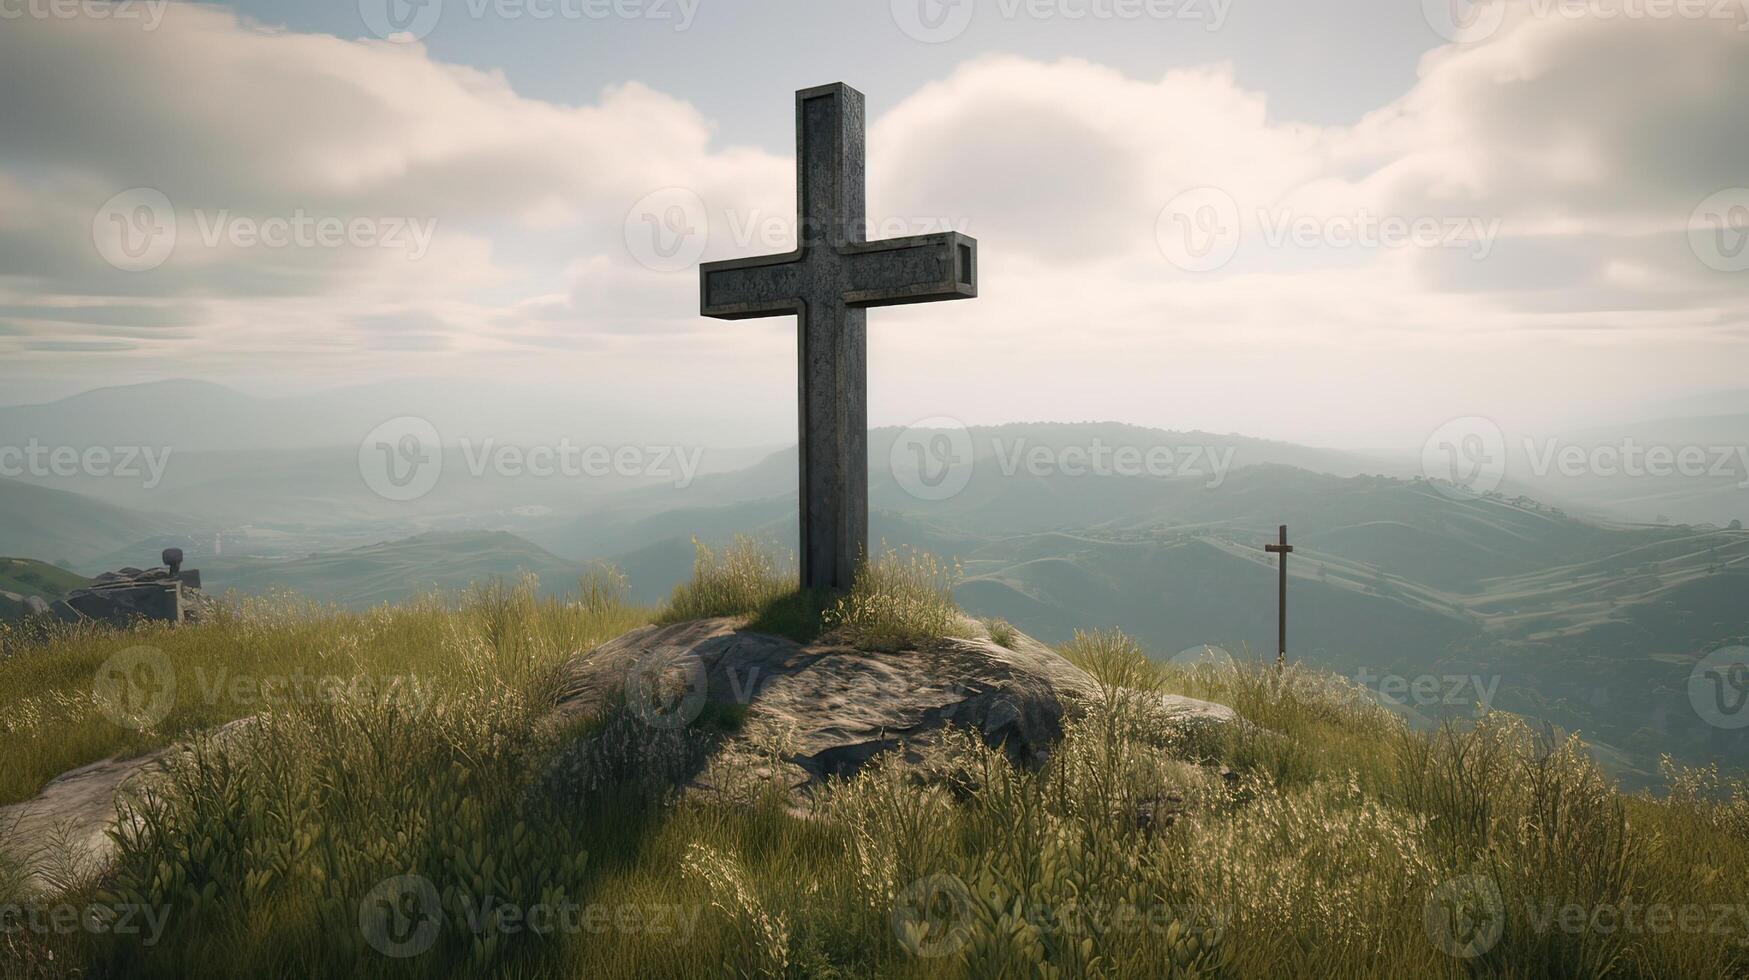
(1340, 224)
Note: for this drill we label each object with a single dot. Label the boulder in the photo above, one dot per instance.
(64, 832)
(169, 595)
(835, 707)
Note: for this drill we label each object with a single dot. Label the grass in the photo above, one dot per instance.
(1347, 845)
(178, 682)
(901, 599)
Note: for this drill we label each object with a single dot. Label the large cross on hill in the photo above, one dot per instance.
(828, 283)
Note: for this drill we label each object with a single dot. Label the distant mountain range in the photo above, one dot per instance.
(1563, 614)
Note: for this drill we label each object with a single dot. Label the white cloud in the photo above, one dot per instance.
(1588, 142)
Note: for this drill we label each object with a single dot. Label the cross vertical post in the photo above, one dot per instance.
(828, 283)
(1283, 549)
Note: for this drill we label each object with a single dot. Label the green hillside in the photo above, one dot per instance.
(23, 577)
(67, 528)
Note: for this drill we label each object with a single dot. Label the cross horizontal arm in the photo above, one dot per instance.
(738, 289)
(1278, 549)
(920, 269)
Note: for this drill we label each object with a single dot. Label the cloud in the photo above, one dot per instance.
(1579, 147)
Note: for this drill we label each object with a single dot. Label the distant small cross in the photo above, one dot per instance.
(828, 283)
(1283, 549)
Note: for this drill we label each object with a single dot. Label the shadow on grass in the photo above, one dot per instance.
(799, 616)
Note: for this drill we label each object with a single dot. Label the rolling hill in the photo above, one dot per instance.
(67, 528)
(23, 577)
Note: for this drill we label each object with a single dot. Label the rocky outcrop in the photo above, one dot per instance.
(64, 832)
(836, 707)
(166, 594)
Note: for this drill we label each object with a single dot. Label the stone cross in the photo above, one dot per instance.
(828, 283)
(1283, 549)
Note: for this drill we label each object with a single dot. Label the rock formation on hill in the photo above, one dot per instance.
(165, 594)
(837, 707)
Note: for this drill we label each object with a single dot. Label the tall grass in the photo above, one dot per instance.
(1343, 844)
(52, 717)
(900, 599)
(740, 580)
